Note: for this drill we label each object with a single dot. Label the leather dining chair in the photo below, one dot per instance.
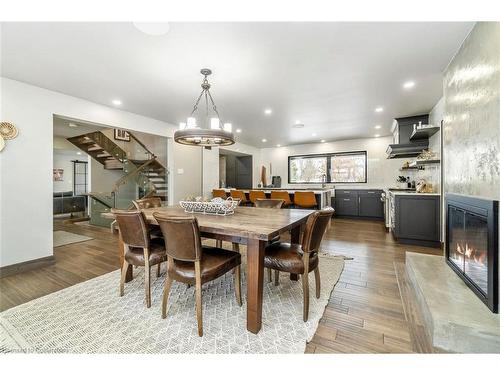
(154, 231)
(140, 248)
(301, 259)
(276, 194)
(305, 199)
(256, 194)
(269, 203)
(191, 263)
(239, 194)
(219, 193)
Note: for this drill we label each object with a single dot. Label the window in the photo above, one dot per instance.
(342, 167)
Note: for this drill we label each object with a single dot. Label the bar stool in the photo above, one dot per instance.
(256, 194)
(305, 199)
(282, 195)
(239, 194)
(219, 193)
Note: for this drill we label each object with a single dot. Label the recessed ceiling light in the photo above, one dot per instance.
(78, 153)
(264, 140)
(71, 125)
(379, 109)
(409, 84)
(116, 102)
(377, 135)
(268, 111)
(153, 28)
(278, 145)
(377, 126)
(314, 134)
(238, 130)
(297, 125)
(323, 141)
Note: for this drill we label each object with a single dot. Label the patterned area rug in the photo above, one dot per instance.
(90, 317)
(62, 238)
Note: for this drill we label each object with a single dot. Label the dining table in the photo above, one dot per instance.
(250, 226)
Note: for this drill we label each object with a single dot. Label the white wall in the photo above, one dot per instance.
(26, 162)
(381, 172)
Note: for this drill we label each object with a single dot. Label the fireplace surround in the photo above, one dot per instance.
(472, 244)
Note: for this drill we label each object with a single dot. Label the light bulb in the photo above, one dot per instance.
(228, 127)
(182, 125)
(214, 123)
(191, 122)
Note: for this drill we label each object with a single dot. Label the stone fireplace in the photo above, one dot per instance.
(472, 244)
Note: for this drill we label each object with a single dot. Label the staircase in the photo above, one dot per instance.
(101, 148)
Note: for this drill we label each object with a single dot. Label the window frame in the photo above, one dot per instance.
(328, 166)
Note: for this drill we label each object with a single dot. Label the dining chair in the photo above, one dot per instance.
(269, 203)
(140, 249)
(154, 231)
(219, 193)
(256, 194)
(239, 194)
(300, 259)
(305, 199)
(275, 194)
(191, 263)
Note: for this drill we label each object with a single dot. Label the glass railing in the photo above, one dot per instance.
(100, 203)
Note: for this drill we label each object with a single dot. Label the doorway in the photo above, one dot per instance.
(235, 170)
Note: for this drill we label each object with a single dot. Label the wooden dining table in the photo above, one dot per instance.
(250, 226)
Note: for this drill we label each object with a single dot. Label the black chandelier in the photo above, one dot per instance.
(190, 133)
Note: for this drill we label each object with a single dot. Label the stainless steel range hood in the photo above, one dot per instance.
(406, 150)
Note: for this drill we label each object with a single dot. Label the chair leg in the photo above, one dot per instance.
(122, 277)
(318, 281)
(269, 275)
(166, 292)
(158, 269)
(305, 286)
(147, 278)
(237, 284)
(199, 313)
(218, 243)
(276, 277)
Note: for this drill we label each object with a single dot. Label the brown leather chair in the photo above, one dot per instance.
(269, 203)
(191, 263)
(143, 203)
(140, 249)
(300, 259)
(239, 194)
(275, 194)
(151, 202)
(256, 194)
(305, 199)
(219, 193)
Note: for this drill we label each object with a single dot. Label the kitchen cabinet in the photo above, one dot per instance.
(416, 219)
(362, 203)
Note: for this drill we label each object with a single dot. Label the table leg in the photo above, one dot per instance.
(295, 239)
(121, 254)
(255, 275)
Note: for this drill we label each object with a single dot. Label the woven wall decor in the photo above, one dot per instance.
(8, 131)
(2, 143)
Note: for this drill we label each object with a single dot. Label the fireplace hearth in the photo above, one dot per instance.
(472, 244)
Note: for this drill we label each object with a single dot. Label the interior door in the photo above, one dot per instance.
(244, 175)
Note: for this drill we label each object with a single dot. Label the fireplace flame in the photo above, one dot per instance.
(471, 253)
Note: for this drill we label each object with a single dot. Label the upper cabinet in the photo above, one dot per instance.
(404, 146)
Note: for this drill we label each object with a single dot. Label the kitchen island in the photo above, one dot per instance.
(323, 195)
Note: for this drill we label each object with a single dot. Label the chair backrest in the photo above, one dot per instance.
(269, 203)
(182, 236)
(315, 229)
(219, 193)
(143, 203)
(281, 195)
(133, 227)
(256, 194)
(305, 199)
(238, 194)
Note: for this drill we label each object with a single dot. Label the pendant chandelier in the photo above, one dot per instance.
(190, 133)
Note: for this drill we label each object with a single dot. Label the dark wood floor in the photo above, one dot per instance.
(369, 312)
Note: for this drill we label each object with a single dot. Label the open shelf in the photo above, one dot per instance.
(422, 162)
(424, 133)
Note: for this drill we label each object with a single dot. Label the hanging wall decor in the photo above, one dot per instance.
(7, 132)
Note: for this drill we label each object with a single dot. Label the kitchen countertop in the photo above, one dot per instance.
(412, 193)
(290, 190)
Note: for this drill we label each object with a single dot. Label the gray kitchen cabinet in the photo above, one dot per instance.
(417, 219)
(362, 203)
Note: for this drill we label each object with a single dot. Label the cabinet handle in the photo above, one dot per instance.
(347, 199)
(371, 192)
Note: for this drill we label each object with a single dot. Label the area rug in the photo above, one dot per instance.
(90, 317)
(62, 238)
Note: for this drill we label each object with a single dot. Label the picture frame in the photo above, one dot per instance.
(122, 135)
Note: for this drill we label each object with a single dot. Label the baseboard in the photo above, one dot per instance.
(13, 269)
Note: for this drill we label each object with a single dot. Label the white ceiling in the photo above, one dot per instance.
(330, 76)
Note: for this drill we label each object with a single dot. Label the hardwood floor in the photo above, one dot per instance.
(368, 311)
